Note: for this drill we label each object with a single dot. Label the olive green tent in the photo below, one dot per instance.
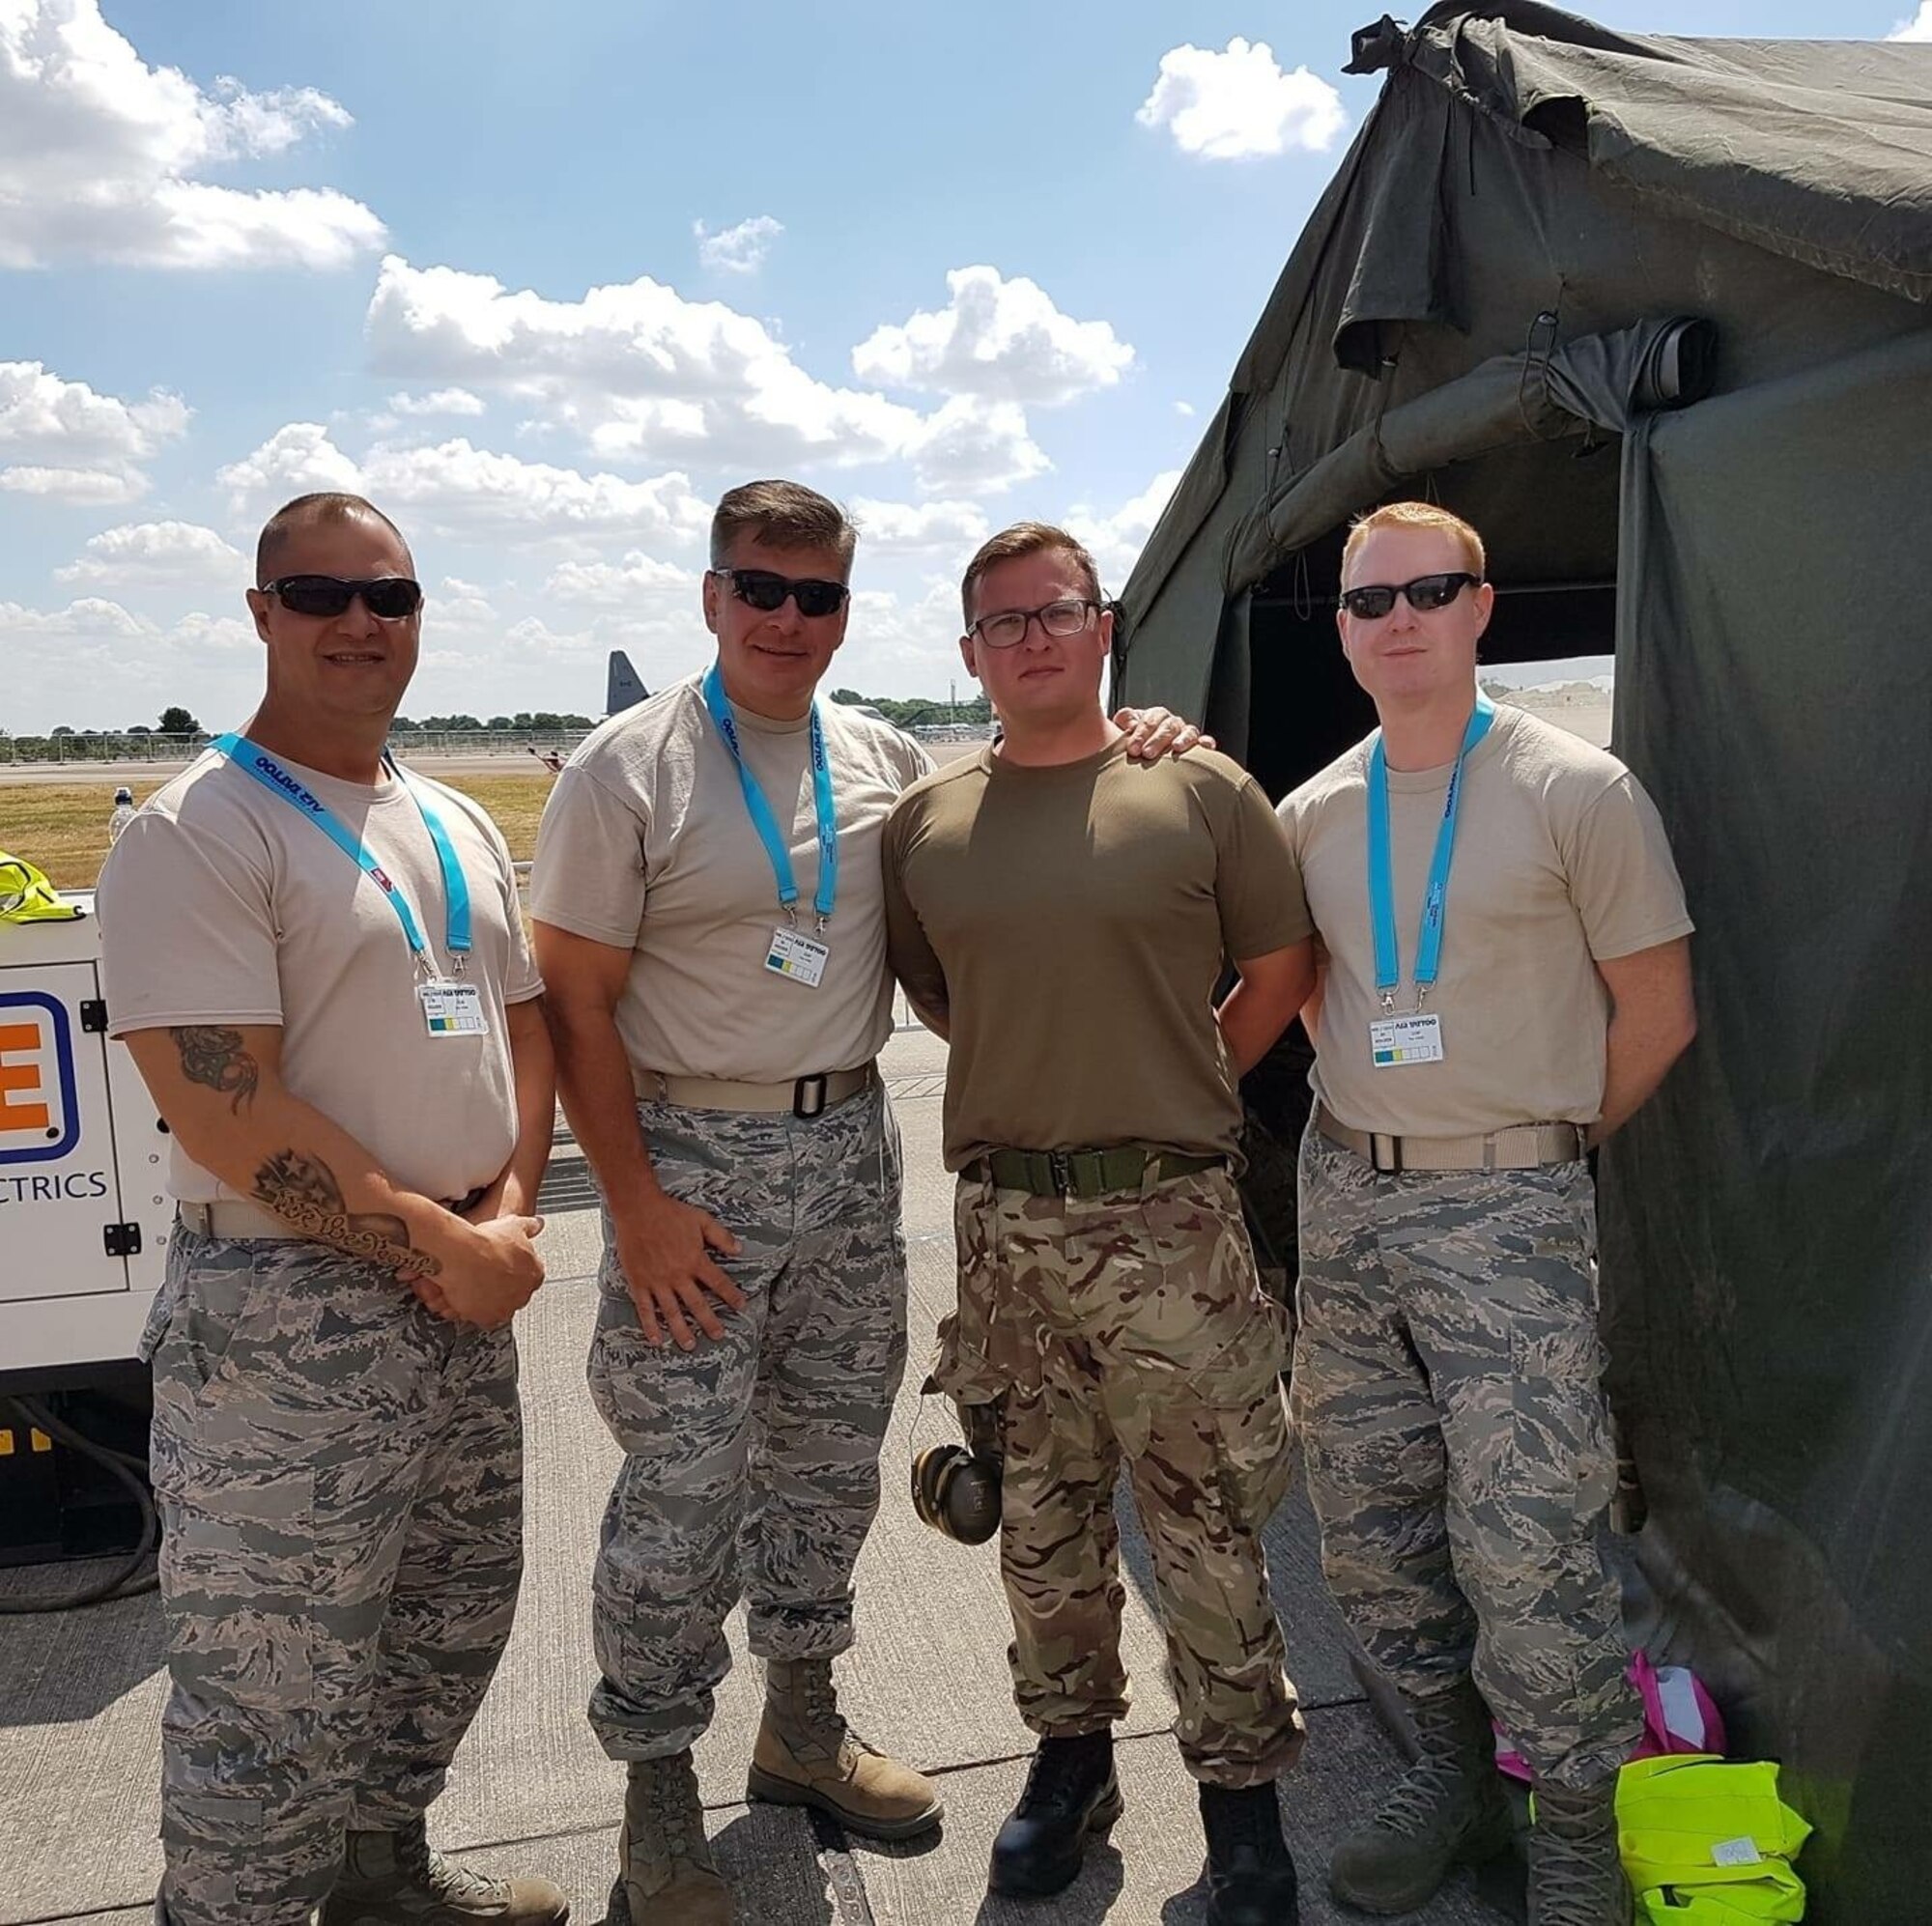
(1657, 316)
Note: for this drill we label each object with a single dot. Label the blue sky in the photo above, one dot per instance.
(544, 285)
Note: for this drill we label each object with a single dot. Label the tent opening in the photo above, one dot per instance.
(1304, 705)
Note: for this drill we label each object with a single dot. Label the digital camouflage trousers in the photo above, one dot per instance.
(1447, 1391)
(781, 1419)
(340, 1476)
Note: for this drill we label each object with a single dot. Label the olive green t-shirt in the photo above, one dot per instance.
(1072, 921)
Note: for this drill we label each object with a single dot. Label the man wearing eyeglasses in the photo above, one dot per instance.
(1064, 914)
(318, 964)
(710, 923)
(1506, 978)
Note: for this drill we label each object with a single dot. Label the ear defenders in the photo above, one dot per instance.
(956, 1493)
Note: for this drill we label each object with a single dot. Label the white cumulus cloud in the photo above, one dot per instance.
(1115, 540)
(739, 249)
(638, 582)
(972, 446)
(952, 529)
(1918, 28)
(99, 155)
(70, 443)
(157, 554)
(467, 493)
(639, 374)
(1240, 102)
(99, 664)
(82, 488)
(88, 616)
(40, 415)
(995, 337)
(444, 401)
(298, 459)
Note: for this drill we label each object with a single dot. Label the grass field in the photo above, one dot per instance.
(63, 827)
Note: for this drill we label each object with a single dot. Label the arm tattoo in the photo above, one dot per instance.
(215, 1057)
(299, 1187)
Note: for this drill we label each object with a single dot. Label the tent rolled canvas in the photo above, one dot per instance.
(1655, 315)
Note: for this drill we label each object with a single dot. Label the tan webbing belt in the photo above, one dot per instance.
(1519, 1149)
(234, 1217)
(804, 1096)
(231, 1218)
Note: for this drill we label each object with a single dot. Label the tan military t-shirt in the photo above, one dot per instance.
(1073, 923)
(1560, 858)
(647, 846)
(221, 904)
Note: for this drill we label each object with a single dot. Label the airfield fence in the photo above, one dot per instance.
(110, 747)
(81, 748)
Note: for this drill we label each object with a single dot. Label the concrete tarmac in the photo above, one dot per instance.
(81, 1692)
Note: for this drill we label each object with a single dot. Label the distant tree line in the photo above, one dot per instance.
(917, 713)
(542, 722)
(100, 744)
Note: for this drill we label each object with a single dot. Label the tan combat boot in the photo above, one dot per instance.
(393, 1879)
(1447, 1809)
(807, 1755)
(662, 1856)
(1576, 1872)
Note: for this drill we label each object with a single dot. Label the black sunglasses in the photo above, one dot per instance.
(766, 593)
(1426, 592)
(391, 598)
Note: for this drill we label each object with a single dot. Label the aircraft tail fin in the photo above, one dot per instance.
(625, 687)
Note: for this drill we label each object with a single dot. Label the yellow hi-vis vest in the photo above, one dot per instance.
(1707, 1843)
(27, 897)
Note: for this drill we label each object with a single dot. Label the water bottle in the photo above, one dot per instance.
(124, 813)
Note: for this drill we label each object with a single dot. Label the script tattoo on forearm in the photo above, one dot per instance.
(215, 1057)
(299, 1187)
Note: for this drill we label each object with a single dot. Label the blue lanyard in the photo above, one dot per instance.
(1381, 882)
(778, 846)
(253, 760)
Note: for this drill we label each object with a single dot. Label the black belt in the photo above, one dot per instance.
(1086, 1173)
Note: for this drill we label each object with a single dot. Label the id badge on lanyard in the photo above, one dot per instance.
(790, 953)
(450, 1005)
(1396, 1041)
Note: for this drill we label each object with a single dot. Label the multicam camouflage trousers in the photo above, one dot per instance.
(1448, 1395)
(340, 1476)
(1131, 1326)
(786, 1413)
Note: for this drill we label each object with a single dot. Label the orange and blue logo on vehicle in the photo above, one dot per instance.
(40, 1116)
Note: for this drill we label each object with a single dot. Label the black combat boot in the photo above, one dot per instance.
(1070, 1794)
(1250, 1875)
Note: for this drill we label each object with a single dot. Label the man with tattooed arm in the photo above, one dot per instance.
(320, 968)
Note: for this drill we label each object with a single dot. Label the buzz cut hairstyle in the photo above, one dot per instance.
(1026, 538)
(326, 507)
(1416, 515)
(782, 515)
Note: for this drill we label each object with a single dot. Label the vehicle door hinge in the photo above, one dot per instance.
(122, 1240)
(94, 1016)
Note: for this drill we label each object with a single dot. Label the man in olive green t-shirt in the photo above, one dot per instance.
(1063, 916)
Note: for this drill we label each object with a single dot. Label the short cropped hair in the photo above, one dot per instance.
(1025, 538)
(782, 515)
(290, 515)
(1416, 515)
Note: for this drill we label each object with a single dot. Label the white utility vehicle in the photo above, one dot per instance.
(84, 1211)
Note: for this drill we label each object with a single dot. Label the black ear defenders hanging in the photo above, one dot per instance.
(956, 1493)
